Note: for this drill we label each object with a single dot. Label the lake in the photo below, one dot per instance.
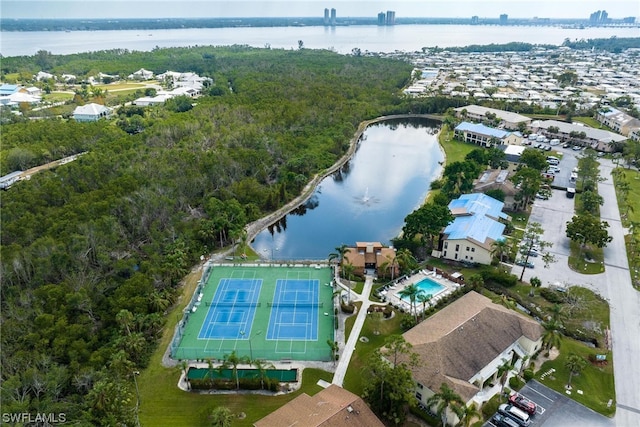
(367, 199)
(342, 39)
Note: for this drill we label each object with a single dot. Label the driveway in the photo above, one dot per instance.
(614, 284)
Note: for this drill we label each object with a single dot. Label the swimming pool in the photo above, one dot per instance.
(429, 287)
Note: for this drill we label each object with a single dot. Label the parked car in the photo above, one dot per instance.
(576, 148)
(542, 196)
(527, 264)
(503, 421)
(523, 403)
(547, 148)
(518, 415)
(534, 253)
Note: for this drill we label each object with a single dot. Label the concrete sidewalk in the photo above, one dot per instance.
(347, 351)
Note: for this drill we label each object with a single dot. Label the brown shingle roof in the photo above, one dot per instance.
(332, 407)
(460, 340)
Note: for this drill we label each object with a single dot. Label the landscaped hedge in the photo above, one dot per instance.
(224, 384)
(499, 277)
(516, 383)
(347, 308)
(550, 295)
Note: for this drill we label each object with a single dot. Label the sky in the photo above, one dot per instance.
(303, 8)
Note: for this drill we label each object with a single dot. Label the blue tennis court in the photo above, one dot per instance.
(294, 310)
(232, 309)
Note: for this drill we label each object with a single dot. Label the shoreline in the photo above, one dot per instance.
(254, 228)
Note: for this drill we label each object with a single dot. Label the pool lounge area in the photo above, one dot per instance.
(430, 282)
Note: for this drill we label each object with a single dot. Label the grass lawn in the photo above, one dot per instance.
(58, 97)
(163, 404)
(630, 214)
(124, 86)
(578, 259)
(353, 380)
(454, 150)
(596, 382)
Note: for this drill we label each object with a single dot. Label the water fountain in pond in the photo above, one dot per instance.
(366, 199)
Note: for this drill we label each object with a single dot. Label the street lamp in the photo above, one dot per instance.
(243, 333)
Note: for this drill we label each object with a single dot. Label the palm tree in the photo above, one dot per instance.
(469, 413)
(232, 361)
(221, 416)
(558, 313)
(411, 291)
(535, 282)
(405, 260)
(499, 248)
(475, 281)
(552, 336)
(575, 364)
(340, 253)
(444, 400)
(424, 298)
(262, 366)
(503, 372)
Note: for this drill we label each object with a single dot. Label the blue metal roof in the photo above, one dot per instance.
(7, 89)
(482, 129)
(476, 218)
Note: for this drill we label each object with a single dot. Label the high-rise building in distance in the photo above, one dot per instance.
(391, 17)
(504, 18)
(599, 17)
(333, 16)
(326, 16)
(382, 18)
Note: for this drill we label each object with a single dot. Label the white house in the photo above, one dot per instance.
(478, 222)
(142, 74)
(478, 113)
(43, 75)
(91, 112)
(464, 344)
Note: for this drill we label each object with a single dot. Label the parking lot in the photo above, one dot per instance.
(557, 410)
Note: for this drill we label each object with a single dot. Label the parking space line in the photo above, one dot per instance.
(543, 395)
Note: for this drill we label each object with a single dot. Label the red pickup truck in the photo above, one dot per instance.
(519, 401)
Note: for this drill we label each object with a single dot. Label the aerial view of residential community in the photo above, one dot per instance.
(263, 213)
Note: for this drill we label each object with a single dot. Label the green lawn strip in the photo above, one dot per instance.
(629, 215)
(163, 404)
(596, 382)
(578, 256)
(58, 97)
(454, 150)
(359, 286)
(348, 323)
(590, 121)
(354, 380)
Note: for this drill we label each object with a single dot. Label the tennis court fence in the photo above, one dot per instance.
(295, 304)
(233, 304)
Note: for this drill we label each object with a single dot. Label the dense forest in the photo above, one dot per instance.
(93, 251)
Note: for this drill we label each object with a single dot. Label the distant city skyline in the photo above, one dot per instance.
(121, 9)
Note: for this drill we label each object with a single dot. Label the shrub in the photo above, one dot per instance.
(491, 407)
(407, 322)
(347, 308)
(528, 375)
(551, 295)
(516, 383)
(501, 278)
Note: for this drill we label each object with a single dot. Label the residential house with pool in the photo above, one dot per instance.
(478, 223)
(464, 344)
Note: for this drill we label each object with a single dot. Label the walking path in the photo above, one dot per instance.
(350, 346)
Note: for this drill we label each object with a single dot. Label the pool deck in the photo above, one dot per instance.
(392, 293)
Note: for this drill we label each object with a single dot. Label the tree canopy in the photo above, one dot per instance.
(93, 251)
(587, 228)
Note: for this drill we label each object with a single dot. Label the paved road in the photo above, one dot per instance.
(350, 346)
(614, 284)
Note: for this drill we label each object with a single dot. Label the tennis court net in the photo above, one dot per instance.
(295, 304)
(233, 304)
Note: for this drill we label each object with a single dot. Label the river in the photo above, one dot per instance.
(342, 39)
(367, 199)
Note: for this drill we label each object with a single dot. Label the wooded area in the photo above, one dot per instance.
(93, 251)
